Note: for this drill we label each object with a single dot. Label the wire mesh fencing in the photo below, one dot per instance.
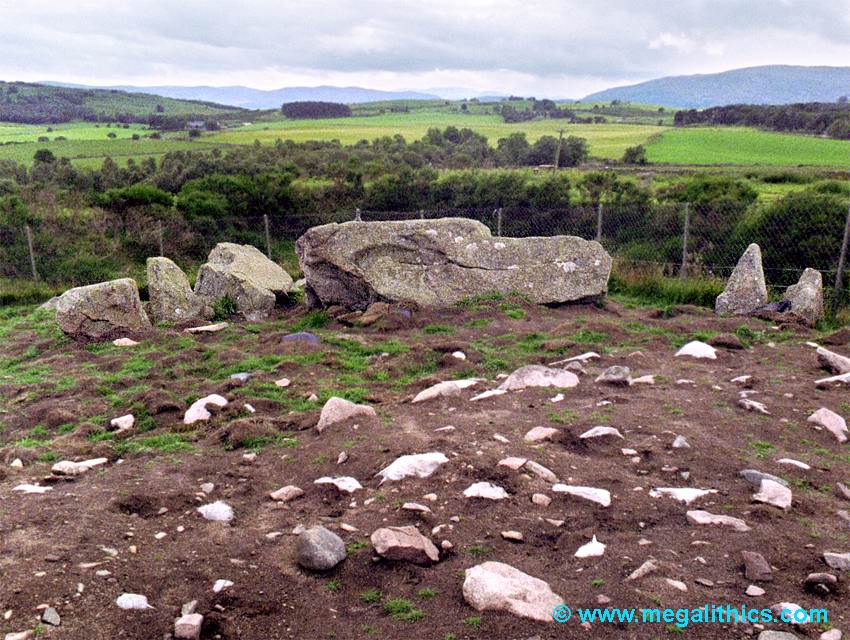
(683, 240)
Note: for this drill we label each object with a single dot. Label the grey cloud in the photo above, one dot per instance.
(607, 40)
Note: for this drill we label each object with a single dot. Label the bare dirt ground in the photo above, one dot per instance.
(100, 530)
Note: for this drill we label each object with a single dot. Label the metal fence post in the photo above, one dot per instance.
(599, 223)
(268, 236)
(161, 245)
(32, 254)
(499, 222)
(842, 259)
(422, 214)
(357, 217)
(683, 271)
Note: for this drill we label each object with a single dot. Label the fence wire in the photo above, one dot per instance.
(675, 239)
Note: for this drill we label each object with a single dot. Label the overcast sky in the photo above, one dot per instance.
(559, 48)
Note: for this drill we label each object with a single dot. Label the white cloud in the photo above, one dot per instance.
(677, 42)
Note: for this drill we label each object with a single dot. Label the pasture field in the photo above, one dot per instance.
(743, 146)
(92, 152)
(13, 132)
(605, 140)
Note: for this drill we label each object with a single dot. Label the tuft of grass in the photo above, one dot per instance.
(313, 320)
(473, 621)
(478, 550)
(223, 308)
(403, 609)
(426, 592)
(371, 596)
(762, 449)
(433, 329)
(334, 585)
(161, 443)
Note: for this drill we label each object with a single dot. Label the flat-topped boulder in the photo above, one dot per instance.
(498, 586)
(436, 263)
(246, 276)
(102, 311)
(171, 297)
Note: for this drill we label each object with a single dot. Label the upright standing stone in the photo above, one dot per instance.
(102, 311)
(436, 263)
(746, 290)
(171, 297)
(806, 297)
(246, 276)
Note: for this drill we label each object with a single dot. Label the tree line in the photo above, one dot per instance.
(820, 118)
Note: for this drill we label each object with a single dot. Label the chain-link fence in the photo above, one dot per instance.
(673, 239)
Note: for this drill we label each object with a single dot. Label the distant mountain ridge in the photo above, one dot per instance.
(772, 84)
(248, 98)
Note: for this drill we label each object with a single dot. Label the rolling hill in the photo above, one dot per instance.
(44, 104)
(774, 84)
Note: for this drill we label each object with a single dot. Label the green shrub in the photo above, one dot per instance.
(224, 308)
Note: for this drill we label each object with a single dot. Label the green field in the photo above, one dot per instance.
(605, 140)
(742, 146)
(87, 144)
(10, 132)
(91, 152)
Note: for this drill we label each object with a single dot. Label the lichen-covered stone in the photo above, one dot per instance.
(102, 311)
(746, 290)
(436, 263)
(806, 297)
(171, 297)
(243, 274)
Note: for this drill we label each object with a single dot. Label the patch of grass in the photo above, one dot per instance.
(565, 416)
(426, 366)
(587, 336)
(434, 329)
(357, 545)
(48, 456)
(334, 585)
(762, 449)
(645, 287)
(371, 596)
(161, 443)
(475, 301)
(31, 443)
(267, 363)
(100, 436)
(313, 320)
(403, 609)
(278, 441)
(426, 592)
(513, 312)
(478, 550)
(473, 621)
(597, 582)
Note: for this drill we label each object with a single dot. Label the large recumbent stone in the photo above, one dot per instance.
(436, 263)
